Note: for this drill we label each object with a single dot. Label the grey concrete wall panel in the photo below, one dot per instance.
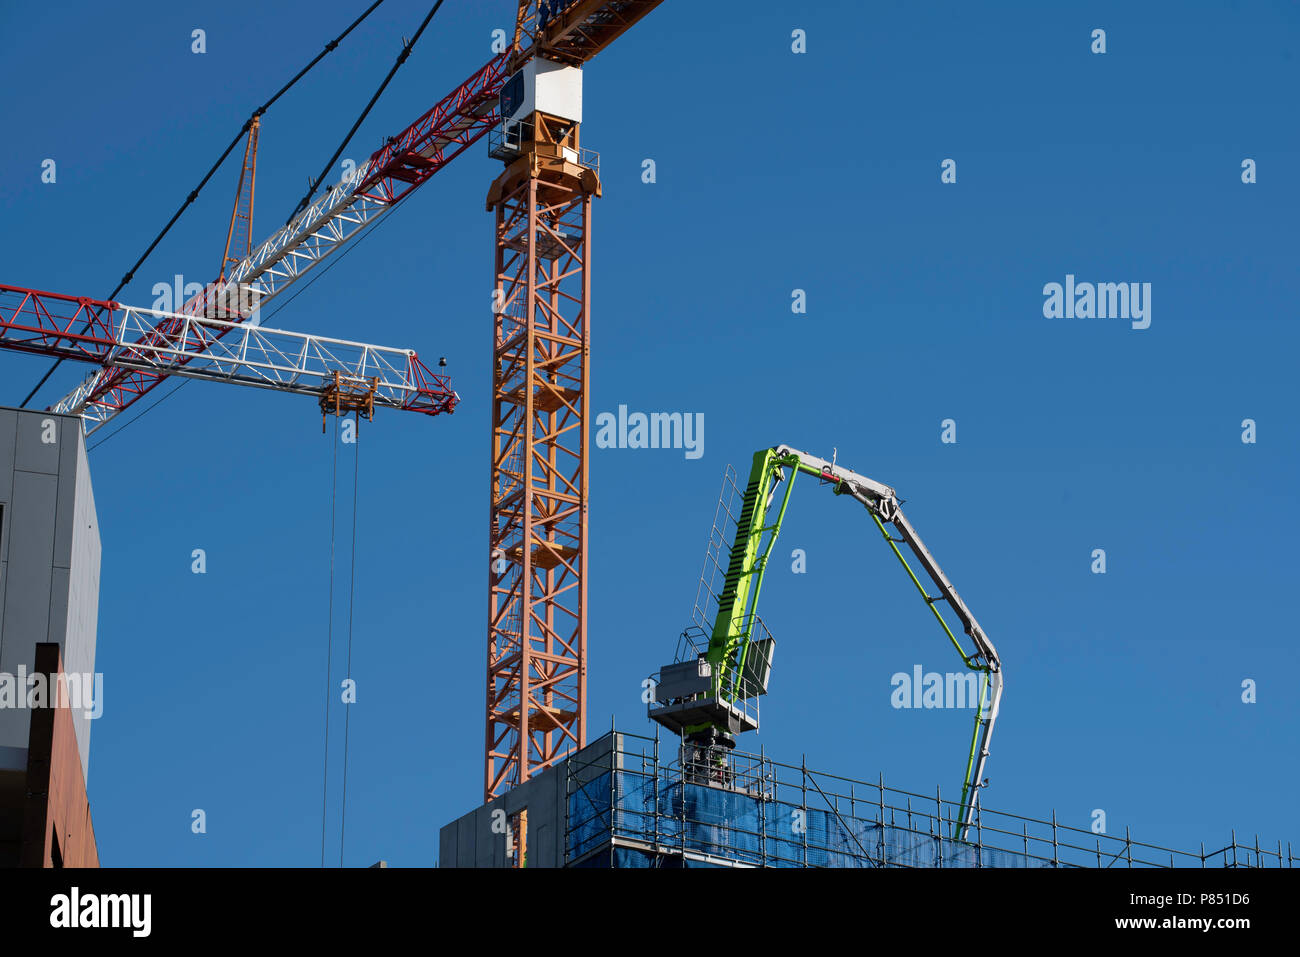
(470, 842)
(49, 557)
(446, 846)
(31, 543)
(8, 439)
(35, 454)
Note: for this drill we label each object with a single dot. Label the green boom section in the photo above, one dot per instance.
(729, 642)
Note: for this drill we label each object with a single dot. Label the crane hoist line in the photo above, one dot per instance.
(710, 692)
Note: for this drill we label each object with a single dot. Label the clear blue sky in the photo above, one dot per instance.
(775, 171)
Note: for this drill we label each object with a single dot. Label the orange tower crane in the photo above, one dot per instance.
(537, 607)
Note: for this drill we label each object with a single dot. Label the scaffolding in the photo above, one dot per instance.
(629, 807)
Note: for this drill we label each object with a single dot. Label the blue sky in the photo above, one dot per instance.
(775, 172)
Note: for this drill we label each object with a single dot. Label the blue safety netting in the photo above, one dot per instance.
(734, 826)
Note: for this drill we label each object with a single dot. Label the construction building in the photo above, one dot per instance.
(629, 801)
(49, 600)
(695, 800)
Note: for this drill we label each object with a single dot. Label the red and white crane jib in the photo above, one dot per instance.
(571, 31)
(405, 162)
(128, 338)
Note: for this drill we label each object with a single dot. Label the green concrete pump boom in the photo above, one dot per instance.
(731, 639)
(737, 662)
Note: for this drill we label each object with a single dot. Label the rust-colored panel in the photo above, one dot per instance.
(56, 815)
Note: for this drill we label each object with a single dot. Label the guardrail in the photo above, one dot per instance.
(639, 797)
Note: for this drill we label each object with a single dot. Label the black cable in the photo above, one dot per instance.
(401, 58)
(331, 263)
(329, 647)
(352, 591)
(194, 194)
(140, 415)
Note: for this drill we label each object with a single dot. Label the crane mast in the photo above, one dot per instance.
(536, 663)
(539, 470)
(710, 692)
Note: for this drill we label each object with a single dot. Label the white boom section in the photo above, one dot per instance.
(375, 187)
(201, 348)
(881, 500)
(315, 233)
